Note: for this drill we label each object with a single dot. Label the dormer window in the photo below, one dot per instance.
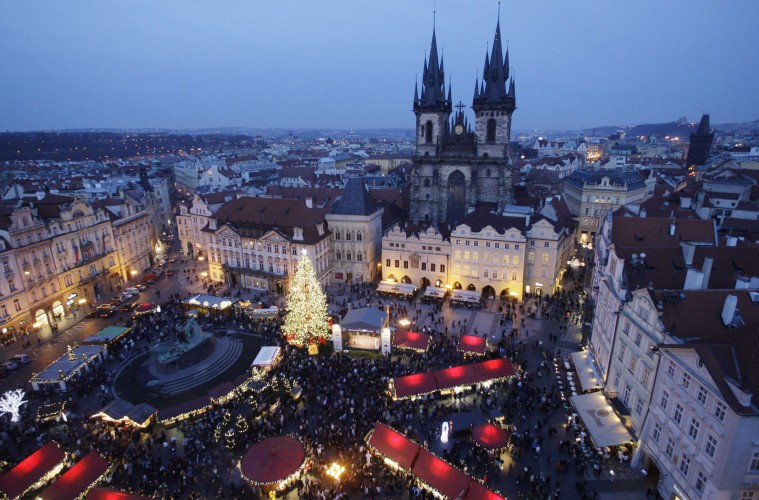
(298, 233)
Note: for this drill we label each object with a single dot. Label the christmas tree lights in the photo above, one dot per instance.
(306, 321)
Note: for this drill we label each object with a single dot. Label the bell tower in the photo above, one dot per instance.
(493, 104)
(432, 108)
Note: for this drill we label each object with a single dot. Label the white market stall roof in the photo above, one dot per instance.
(588, 378)
(394, 287)
(604, 426)
(365, 318)
(107, 334)
(68, 367)
(266, 356)
(434, 291)
(466, 296)
(210, 301)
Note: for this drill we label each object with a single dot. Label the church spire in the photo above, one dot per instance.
(433, 81)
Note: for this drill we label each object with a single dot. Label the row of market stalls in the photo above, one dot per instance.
(432, 294)
(456, 377)
(40, 469)
(438, 475)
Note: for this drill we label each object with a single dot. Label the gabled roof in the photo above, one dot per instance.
(355, 199)
(691, 314)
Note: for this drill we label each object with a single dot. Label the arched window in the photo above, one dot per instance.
(358, 237)
(347, 256)
(428, 132)
(491, 130)
(337, 236)
(426, 183)
(338, 255)
(348, 236)
(359, 257)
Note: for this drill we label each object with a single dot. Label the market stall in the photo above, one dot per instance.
(109, 494)
(206, 303)
(274, 461)
(412, 340)
(451, 378)
(434, 294)
(120, 411)
(393, 288)
(267, 357)
(33, 471)
(107, 335)
(490, 437)
(79, 360)
(472, 344)
(78, 480)
(465, 298)
(394, 446)
(440, 475)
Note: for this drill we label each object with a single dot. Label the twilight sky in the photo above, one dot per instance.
(352, 64)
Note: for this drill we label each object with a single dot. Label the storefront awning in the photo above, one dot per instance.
(465, 296)
(266, 356)
(434, 291)
(604, 426)
(440, 475)
(78, 479)
(20, 478)
(399, 288)
(584, 367)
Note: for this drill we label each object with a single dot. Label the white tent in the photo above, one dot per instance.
(266, 356)
(400, 288)
(466, 296)
(589, 380)
(604, 426)
(434, 291)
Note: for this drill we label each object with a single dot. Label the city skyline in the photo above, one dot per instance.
(343, 65)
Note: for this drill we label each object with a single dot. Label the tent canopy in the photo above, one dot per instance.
(394, 287)
(78, 479)
(365, 318)
(107, 334)
(434, 291)
(394, 446)
(604, 426)
(478, 492)
(423, 383)
(490, 437)
(440, 475)
(473, 344)
(109, 494)
(465, 296)
(455, 376)
(414, 385)
(272, 460)
(20, 478)
(584, 368)
(266, 356)
(412, 340)
(494, 369)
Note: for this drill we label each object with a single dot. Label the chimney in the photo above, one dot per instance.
(40, 195)
(728, 310)
(694, 280)
(742, 283)
(672, 228)
(688, 251)
(731, 241)
(706, 270)
(643, 213)
(310, 202)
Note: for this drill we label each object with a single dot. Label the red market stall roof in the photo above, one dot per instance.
(440, 475)
(412, 340)
(489, 436)
(414, 385)
(78, 479)
(20, 478)
(478, 492)
(272, 460)
(423, 383)
(145, 307)
(109, 494)
(473, 344)
(394, 446)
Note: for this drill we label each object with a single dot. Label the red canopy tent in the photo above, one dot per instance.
(478, 492)
(33, 468)
(414, 385)
(489, 436)
(109, 494)
(78, 479)
(412, 340)
(440, 475)
(394, 446)
(455, 376)
(272, 460)
(494, 369)
(473, 344)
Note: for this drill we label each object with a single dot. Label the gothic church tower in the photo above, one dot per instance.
(457, 169)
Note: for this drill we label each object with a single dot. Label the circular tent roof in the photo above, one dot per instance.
(272, 460)
(489, 436)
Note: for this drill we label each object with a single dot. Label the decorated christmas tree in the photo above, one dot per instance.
(306, 321)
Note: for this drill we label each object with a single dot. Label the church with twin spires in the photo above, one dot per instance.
(459, 168)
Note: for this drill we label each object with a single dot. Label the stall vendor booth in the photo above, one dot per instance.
(465, 298)
(78, 361)
(361, 328)
(434, 294)
(207, 303)
(267, 357)
(107, 335)
(395, 289)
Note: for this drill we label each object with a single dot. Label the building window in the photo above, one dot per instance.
(747, 495)
(693, 428)
(644, 376)
(358, 237)
(670, 448)
(685, 464)
(719, 410)
(405, 264)
(685, 382)
(424, 266)
(755, 462)
(432, 267)
(626, 396)
(546, 244)
(657, 433)
(664, 401)
(442, 268)
(637, 338)
(513, 276)
(639, 407)
(545, 257)
(16, 305)
(711, 445)
(515, 261)
(700, 482)
(387, 262)
(338, 255)
(532, 243)
(671, 369)
(359, 257)
(397, 263)
(702, 393)
(347, 256)
(491, 130)
(678, 415)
